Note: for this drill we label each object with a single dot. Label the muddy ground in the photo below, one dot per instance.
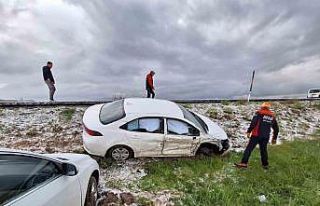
(59, 129)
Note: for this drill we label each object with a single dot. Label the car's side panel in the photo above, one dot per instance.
(86, 166)
(179, 145)
(63, 191)
(145, 144)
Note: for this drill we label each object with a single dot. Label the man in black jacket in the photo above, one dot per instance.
(259, 133)
(49, 80)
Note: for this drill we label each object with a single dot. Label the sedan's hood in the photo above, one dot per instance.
(214, 129)
(76, 159)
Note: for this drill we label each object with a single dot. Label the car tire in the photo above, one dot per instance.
(92, 192)
(120, 153)
(207, 150)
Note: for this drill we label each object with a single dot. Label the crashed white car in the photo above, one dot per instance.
(140, 127)
(50, 179)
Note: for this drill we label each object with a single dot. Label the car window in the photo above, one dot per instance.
(314, 91)
(112, 112)
(194, 118)
(150, 125)
(19, 174)
(177, 127)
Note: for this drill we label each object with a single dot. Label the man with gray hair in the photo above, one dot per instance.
(49, 80)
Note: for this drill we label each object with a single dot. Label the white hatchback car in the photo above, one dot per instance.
(314, 93)
(140, 127)
(50, 179)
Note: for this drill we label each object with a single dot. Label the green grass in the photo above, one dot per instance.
(213, 113)
(316, 105)
(293, 177)
(67, 114)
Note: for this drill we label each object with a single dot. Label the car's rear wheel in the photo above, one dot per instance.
(92, 192)
(120, 153)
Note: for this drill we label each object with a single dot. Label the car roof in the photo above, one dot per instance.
(28, 153)
(157, 107)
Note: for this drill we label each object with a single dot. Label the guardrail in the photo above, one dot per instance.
(89, 103)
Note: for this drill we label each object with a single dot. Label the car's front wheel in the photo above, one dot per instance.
(92, 192)
(120, 153)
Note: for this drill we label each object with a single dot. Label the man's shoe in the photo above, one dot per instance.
(266, 167)
(241, 165)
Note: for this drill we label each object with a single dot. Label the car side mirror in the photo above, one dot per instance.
(194, 132)
(69, 169)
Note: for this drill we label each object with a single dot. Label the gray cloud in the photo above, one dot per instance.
(199, 49)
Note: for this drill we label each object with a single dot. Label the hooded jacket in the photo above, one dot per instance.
(149, 82)
(261, 124)
(47, 74)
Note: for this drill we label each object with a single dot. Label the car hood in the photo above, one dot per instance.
(214, 130)
(76, 159)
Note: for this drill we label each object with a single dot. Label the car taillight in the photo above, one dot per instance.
(91, 132)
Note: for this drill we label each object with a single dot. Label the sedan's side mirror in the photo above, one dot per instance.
(194, 132)
(69, 169)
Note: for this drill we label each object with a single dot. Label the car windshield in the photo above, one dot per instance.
(194, 118)
(314, 91)
(112, 112)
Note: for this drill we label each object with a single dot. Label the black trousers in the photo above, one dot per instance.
(150, 93)
(263, 144)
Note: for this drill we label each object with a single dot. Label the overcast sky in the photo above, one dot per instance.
(198, 49)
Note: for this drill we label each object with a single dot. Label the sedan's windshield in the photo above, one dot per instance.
(194, 118)
(314, 91)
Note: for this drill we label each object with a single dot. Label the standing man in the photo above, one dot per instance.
(149, 84)
(259, 133)
(48, 78)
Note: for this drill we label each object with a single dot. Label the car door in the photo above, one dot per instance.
(181, 138)
(146, 134)
(34, 181)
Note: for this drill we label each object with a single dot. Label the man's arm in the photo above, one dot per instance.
(275, 128)
(150, 82)
(253, 123)
(51, 77)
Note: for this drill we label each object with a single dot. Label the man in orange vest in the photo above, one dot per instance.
(259, 133)
(149, 84)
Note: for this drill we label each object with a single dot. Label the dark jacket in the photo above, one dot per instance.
(47, 73)
(262, 123)
(149, 82)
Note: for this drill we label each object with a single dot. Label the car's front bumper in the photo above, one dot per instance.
(226, 146)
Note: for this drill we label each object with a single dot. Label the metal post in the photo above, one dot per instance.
(251, 86)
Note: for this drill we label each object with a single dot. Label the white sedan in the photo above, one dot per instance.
(140, 127)
(51, 179)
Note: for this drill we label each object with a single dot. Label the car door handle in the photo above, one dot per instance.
(194, 138)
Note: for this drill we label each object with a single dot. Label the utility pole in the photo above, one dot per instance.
(251, 86)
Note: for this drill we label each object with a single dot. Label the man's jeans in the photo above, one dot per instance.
(51, 87)
(150, 93)
(263, 143)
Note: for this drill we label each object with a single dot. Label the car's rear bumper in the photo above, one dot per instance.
(94, 145)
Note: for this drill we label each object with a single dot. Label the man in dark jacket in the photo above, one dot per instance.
(149, 84)
(259, 133)
(49, 80)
